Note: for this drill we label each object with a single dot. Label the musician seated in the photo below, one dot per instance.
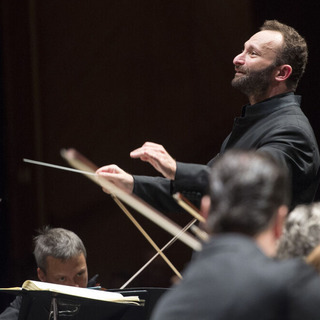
(235, 275)
(61, 259)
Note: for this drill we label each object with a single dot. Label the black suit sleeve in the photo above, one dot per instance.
(156, 191)
(191, 181)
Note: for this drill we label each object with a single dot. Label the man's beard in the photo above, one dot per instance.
(253, 83)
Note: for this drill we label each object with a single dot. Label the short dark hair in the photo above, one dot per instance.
(56, 242)
(293, 52)
(246, 189)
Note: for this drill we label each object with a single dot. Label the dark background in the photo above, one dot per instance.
(103, 77)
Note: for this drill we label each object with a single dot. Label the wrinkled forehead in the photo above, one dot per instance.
(266, 41)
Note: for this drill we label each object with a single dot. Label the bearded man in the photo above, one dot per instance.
(268, 71)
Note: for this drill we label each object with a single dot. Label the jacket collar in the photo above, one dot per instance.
(272, 104)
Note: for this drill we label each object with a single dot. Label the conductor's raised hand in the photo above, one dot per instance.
(158, 157)
(113, 174)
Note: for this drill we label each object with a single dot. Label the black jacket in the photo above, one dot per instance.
(232, 279)
(276, 125)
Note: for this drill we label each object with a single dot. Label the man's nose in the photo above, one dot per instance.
(239, 59)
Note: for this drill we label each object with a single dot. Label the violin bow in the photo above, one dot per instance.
(168, 244)
(77, 160)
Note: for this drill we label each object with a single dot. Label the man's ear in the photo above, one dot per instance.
(41, 275)
(205, 206)
(283, 72)
(279, 221)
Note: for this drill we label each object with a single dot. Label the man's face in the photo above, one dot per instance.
(71, 272)
(255, 66)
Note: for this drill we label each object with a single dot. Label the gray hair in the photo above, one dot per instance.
(58, 243)
(301, 232)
